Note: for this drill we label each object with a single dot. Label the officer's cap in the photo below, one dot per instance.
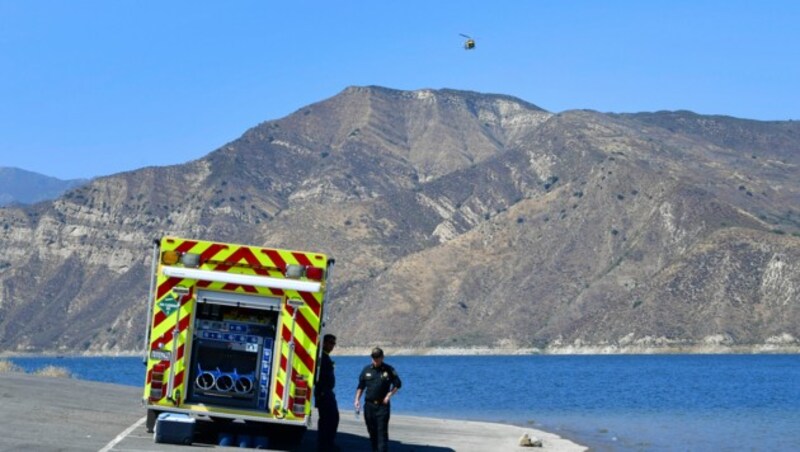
(377, 353)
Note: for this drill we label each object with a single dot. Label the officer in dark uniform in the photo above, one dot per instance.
(379, 382)
(325, 398)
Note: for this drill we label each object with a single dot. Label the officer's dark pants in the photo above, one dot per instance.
(377, 419)
(328, 422)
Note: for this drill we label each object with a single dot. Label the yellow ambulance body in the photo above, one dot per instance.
(234, 332)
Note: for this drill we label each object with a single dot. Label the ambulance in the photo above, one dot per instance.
(233, 334)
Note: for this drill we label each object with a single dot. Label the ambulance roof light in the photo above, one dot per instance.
(314, 273)
(190, 260)
(295, 271)
(169, 257)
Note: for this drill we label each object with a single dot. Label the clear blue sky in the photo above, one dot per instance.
(91, 88)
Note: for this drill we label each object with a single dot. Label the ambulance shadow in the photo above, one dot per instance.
(208, 434)
(349, 442)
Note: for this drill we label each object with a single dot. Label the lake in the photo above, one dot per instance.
(607, 402)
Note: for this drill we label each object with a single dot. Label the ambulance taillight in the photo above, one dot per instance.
(300, 396)
(157, 382)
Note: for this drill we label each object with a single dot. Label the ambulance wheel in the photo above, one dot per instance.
(152, 416)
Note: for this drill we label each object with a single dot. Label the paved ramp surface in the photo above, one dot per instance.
(63, 414)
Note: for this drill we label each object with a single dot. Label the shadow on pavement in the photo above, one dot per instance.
(207, 435)
(348, 442)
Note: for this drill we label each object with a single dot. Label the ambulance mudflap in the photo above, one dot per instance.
(233, 337)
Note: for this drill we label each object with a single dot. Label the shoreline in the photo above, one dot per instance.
(593, 431)
(582, 350)
(702, 349)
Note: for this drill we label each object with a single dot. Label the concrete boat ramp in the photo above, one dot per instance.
(62, 414)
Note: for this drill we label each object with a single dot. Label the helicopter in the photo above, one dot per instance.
(469, 44)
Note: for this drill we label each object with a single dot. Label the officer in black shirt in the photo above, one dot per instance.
(325, 398)
(379, 382)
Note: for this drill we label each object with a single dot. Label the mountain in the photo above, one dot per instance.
(26, 187)
(458, 220)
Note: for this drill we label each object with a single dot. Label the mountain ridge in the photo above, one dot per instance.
(19, 186)
(458, 220)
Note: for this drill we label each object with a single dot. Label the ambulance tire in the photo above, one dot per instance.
(152, 417)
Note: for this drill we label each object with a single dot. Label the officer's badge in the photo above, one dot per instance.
(386, 375)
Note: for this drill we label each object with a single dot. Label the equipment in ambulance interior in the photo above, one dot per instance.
(233, 349)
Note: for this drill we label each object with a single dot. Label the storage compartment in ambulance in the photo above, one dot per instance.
(232, 349)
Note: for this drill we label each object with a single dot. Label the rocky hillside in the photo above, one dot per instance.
(457, 219)
(19, 186)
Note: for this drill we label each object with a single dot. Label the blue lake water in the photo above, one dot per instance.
(661, 402)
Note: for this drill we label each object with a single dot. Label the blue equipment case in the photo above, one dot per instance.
(173, 428)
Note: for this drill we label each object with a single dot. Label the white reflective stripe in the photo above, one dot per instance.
(246, 280)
